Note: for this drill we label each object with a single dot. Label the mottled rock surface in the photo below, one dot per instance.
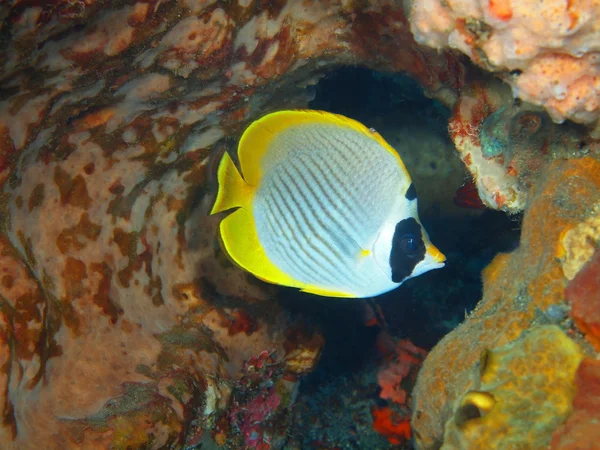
(122, 325)
(521, 289)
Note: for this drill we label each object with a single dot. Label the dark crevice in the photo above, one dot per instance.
(425, 308)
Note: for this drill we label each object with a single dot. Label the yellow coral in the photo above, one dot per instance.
(579, 244)
(525, 391)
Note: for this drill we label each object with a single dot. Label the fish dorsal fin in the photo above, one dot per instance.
(257, 138)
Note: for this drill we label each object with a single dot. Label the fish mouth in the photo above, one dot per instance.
(435, 255)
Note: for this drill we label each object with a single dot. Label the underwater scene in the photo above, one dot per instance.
(299, 225)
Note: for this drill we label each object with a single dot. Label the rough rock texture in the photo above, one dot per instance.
(547, 51)
(523, 288)
(529, 381)
(580, 244)
(504, 143)
(584, 294)
(122, 325)
(581, 430)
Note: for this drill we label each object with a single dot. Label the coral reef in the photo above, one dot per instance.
(402, 366)
(529, 381)
(523, 288)
(122, 322)
(580, 243)
(388, 423)
(396, 377)
(546, 51)
(504, 143)
(340, 413)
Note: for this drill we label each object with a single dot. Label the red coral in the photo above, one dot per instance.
(256, 401)
(240, 322)
(395, 429)
(396, 379)
(403, 367)
(467, 196)
(581, 431)
(582, 292)
(251, 417)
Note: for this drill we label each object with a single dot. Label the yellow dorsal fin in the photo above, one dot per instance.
(257, 138)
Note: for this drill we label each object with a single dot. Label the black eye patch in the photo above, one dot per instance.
(408, 249)
(411, 192)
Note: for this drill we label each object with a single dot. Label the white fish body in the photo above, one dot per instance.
(330, 202)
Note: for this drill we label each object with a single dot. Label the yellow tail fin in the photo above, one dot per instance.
(233, 191)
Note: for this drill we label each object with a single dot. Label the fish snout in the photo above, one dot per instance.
(435, 254)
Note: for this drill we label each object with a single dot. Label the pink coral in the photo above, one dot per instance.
(396, 378)
(257, 411)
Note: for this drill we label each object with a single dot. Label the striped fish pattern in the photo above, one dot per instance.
(311, 221)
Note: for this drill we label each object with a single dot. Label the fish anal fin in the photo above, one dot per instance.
(325, 293)
(241, 242)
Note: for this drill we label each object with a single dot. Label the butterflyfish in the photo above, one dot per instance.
(321, 203)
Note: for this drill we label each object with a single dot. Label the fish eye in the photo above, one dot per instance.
(409, 244)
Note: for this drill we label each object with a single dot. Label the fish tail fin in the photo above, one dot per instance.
(238, 233)
(233, 191)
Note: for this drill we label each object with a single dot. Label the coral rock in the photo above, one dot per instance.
(547, 51)
(399, 373)
(523, 393)
(580, 243)
(581, 431)
(395, 429)
(497, 187)
(122, 323)
(520, 288)
(504, 144)
(584, 294)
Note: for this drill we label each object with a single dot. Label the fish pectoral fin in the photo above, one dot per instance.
(240, 241)
(342, 240)
(349, 245)
(325, 293)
